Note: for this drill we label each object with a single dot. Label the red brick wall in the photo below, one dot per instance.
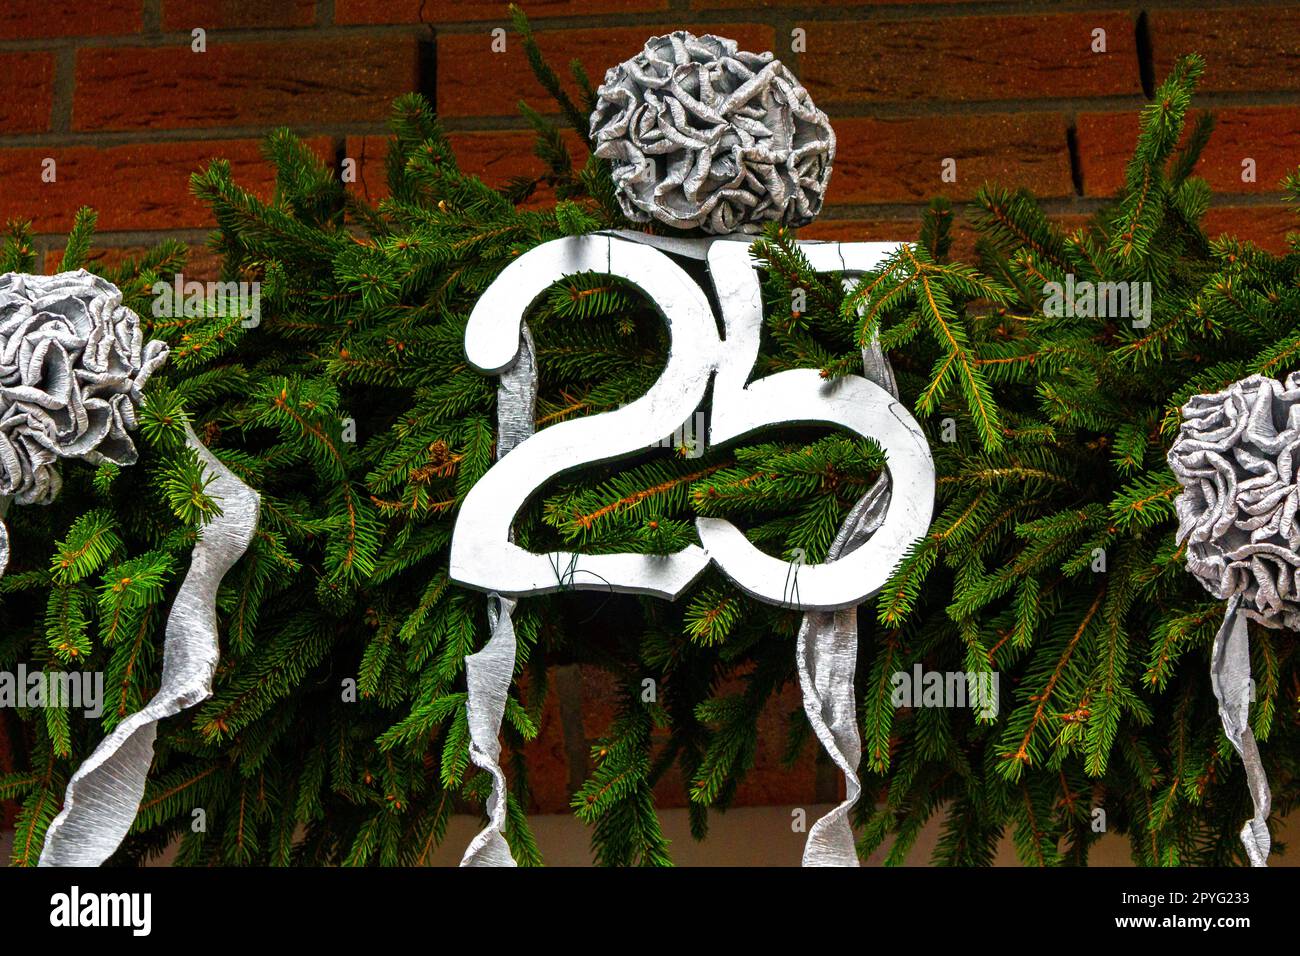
(112, 92)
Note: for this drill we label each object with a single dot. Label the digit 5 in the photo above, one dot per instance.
(802, 396)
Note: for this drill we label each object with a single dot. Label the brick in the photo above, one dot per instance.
(232, 14)
(971, 59)
(546, 758)
(899, 160)
(1245, 50)
(245, 84)
(203, 263)
(1105, 143)
(495, 157)
(895, 229)
(772, 782)
(600, 703)
(453, 11)
(769, 782)
(864, 230)
(370, 153)
(1270, 135)
(1266, 226)
(1070, 221)
(889, 230)
(908, 229)
(140, 186)
(47, 19)
(28, 83)
(474, 81)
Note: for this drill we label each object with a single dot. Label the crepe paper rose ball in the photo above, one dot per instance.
(73, 362)
(1236, 457)
(699, 134)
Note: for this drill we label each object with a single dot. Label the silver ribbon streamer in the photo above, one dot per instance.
(104, 794)
(488, 672)
(826, 654)
(1230, 676)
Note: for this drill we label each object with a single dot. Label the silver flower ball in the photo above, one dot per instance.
(700, 134)
(1236, 457)
(72, 366)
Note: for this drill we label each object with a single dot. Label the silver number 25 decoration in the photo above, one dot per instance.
(483, 552)
(483, 555)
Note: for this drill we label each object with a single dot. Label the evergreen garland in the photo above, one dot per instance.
(1058, 429)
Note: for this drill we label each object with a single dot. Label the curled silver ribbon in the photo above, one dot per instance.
(103, 796)
(1230, 677)
(488, 672)
(826, 653)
